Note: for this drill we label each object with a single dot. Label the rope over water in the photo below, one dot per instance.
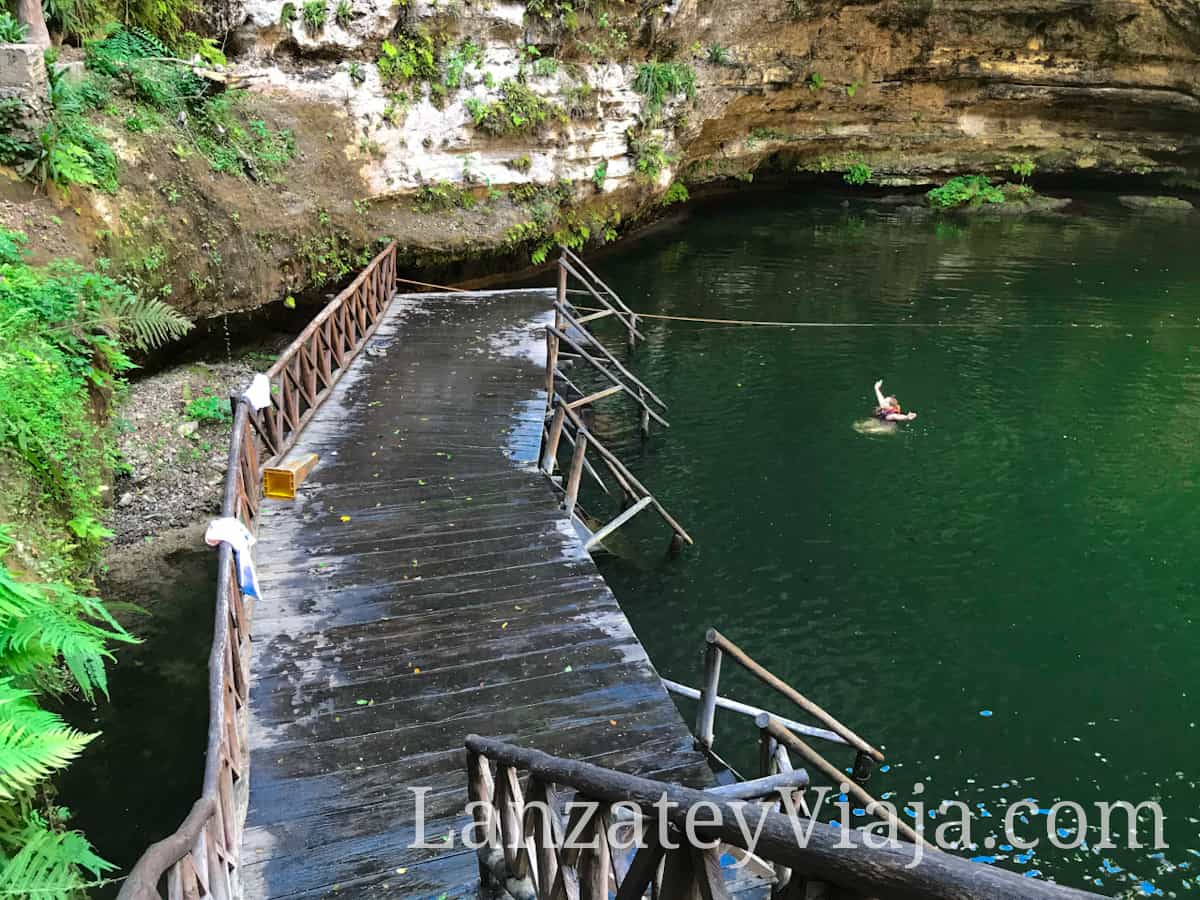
(761, 323)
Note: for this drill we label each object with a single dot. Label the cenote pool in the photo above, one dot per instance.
(1001, 593)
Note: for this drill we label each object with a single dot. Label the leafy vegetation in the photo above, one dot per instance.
(443, 195)
(815, 81)
(343, 13)
(314, 15)
(71, 151)
(409, 56)
(965, 190)
(660, 81)
(519, 110)
(63, 331)
(135, 66)
(649, 157)
(719, 55)
(676, 193)
(600, 174)
(210, 409)
(1023, 168)
(11, 31)
(858, 174)
(456, 62)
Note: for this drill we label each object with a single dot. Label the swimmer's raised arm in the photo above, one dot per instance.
(879, 393)
(901, 417)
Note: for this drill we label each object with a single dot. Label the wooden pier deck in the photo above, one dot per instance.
(426, 585)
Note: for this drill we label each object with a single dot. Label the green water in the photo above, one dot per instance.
(1023, 548)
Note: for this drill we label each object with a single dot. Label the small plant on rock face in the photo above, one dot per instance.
(357, 73)
(718, 55)
(965, 190)
(287, 15)
(343, 13)
(858, 174)
(852, 89)
(816, 81)
(660, 81)
(1023, 167)
(314, 15)
(600, 174)
(676, 193)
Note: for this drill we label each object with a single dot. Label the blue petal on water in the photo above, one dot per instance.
(1110, 867)
(885, 768)
(984, 813)
(1032, 873)
(908, 812)
(1065, 832)
(1148, 889)
(859, 812)
(1023, 858)
(1157, 855)
(983, 859)
(1098, 881)
(841, 798)
(1007, 848)
(836, 824)
(986, 713)
(932, 814)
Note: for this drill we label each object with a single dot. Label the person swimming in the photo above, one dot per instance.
(888, 409)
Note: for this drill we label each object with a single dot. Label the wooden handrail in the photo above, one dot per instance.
(535, 853)
(714, 638)
(201, 857)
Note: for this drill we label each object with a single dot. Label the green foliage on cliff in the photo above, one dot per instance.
(519, 110)
(649, 157)
(965, 190)
(858, 174)
(660, 81)
(676, 193)
(409, 56)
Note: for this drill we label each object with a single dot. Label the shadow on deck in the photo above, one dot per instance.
(426, 584)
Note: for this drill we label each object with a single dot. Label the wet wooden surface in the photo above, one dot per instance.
(424, 585)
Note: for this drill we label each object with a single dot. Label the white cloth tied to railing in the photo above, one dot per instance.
(258, 394)
(231, 531)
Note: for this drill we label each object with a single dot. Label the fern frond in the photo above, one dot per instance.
(52, 622)
(34, 742)
(50, 861)
(148, 323)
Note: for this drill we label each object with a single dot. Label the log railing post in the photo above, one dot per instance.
(550, 456)
(706, 718)
(576, 470)
(481, 792)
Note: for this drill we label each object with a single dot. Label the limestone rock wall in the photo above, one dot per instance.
(916, 90)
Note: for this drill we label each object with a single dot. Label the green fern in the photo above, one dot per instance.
(49, 861)
(34, 743)
(43, 625)
(147, 323)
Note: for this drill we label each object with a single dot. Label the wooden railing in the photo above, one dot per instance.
(201, 858)
(550, 838)
(570, 336)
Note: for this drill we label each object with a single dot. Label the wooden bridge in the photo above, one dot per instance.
(429, 583)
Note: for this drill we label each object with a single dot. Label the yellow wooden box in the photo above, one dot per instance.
(281, 481)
